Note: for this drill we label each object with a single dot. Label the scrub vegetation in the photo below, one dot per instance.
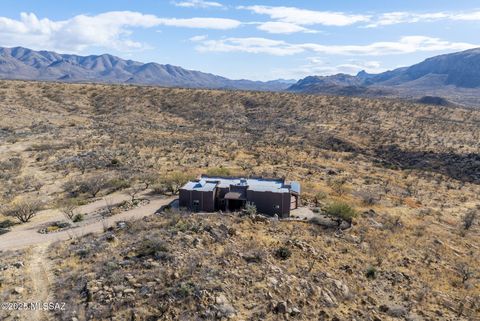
(407, 177)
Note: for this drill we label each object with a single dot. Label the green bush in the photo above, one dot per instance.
(250, 209)
(371, 272)
(341, 211)
(218, 171)
(78, 218)
(152, 246)
(174, 181)
(283, 253)
(6, 223)
(117, 184)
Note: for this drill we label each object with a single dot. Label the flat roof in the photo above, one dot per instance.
(207, 184)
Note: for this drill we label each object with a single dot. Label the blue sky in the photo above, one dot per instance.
(256, 39)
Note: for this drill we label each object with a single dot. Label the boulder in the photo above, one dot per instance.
(223, 307)
(129, 291)
(18, 290)
(393, 310)
(328, 299)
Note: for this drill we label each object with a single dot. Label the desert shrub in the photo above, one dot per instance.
(283, 253)
(319, 197)
(174, 181)
(83, 252)
(133, 192)
(250, 209)
(71, 187)
(338, 186)
(115, 162)
(68, 207)
(6, 223)
(469, 219)
(28, 183)
(5, 226)
(368, 198)
(78, 218)
(184, 290)
(23, 210)
(110, 267)
(340, 211)
(13, 164)
(218, 171)
(464, 271)
(151, 246)
(393, 223)
(116, 184)
(371, 272)
(93, 185)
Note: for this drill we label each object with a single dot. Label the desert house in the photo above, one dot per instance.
(270, 196)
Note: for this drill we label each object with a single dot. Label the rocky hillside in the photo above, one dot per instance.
(217, 267)
(27, 64)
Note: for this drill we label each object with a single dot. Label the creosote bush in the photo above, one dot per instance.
(341, 211)
(371, 272)
(283, 253)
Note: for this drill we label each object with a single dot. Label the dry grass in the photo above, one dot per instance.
(416, 166)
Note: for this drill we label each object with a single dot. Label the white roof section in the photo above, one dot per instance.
(201, 186)
(207, 184)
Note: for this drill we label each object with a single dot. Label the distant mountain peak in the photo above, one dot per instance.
(28, 64)
(455, 76)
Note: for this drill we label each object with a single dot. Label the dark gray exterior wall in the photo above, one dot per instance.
(206, 200)
(266, 202)
(184, 198)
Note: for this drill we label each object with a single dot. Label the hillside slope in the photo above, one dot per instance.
(410, 171)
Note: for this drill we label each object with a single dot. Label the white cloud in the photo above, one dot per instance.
(392, 18)
(249, 45)
(408, 44)
(198, 4)
(305, 17)
(202, 23)
(301, 17)
(198, 38)
(109, 30)
(278, 27)
(317, 66)
(467, 16)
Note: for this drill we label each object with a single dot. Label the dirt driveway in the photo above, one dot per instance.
(26, 235)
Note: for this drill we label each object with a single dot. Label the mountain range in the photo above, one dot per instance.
(26, 64)
(445, 79)
(455, 77)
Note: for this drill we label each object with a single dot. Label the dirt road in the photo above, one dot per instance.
(26, 235)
